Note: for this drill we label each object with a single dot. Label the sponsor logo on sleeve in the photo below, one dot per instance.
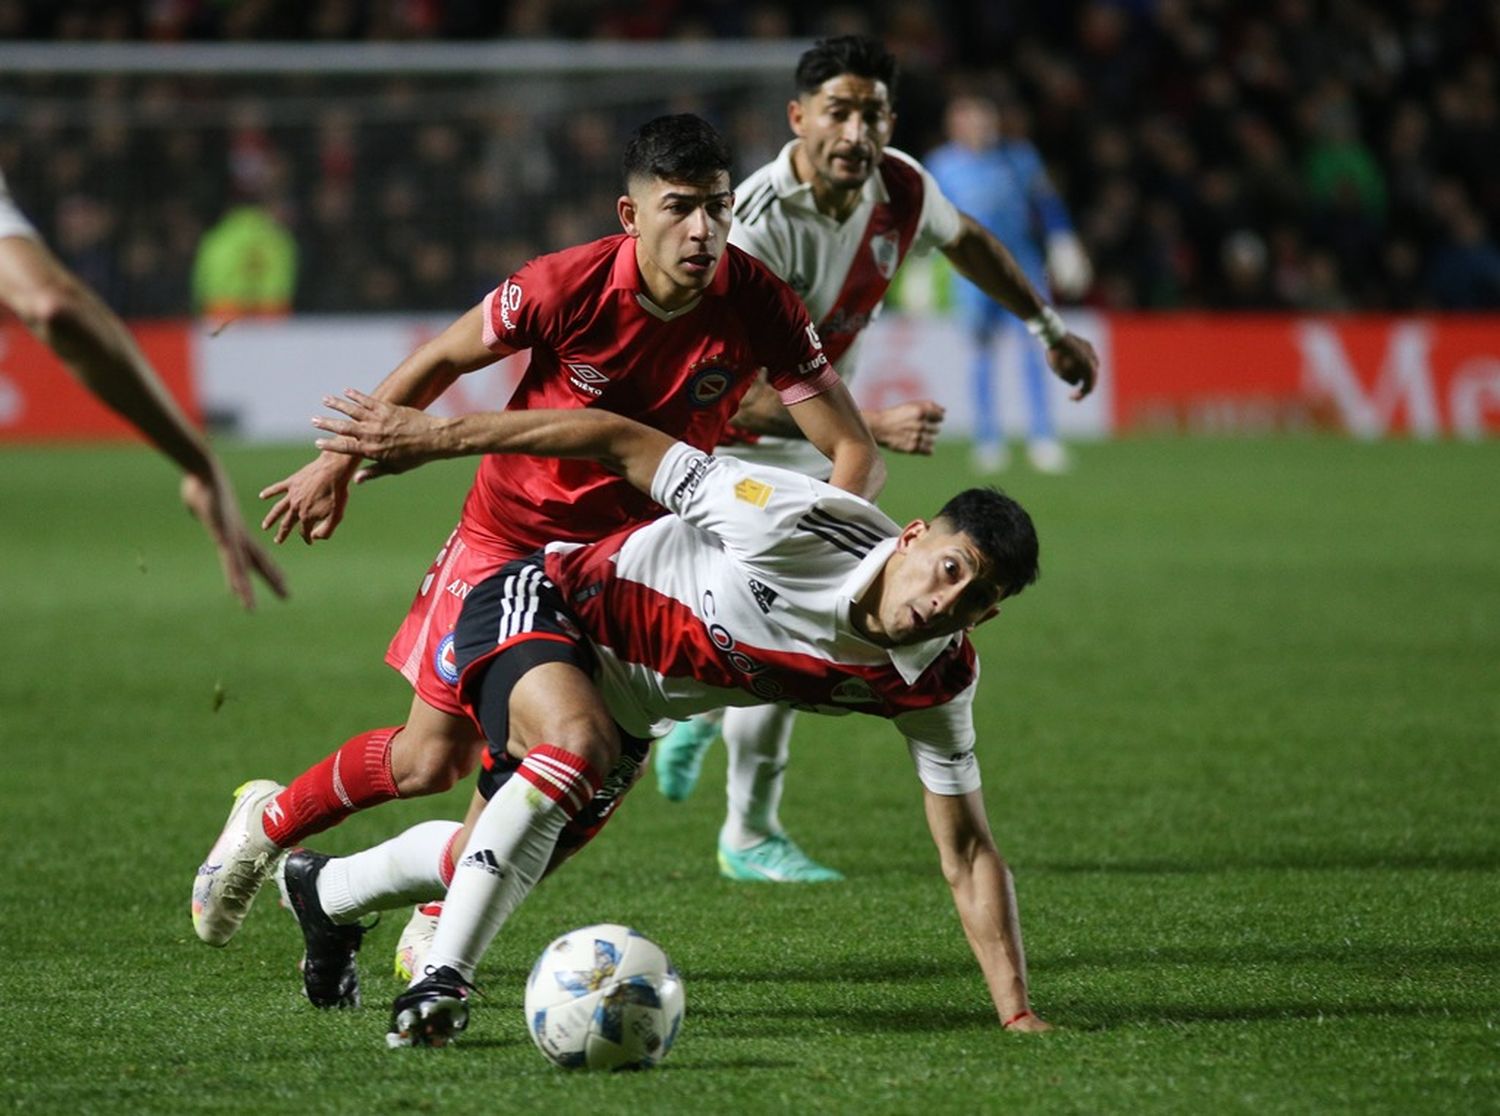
(510, 302)
(754, 492)
(697, 469)
(812, 336)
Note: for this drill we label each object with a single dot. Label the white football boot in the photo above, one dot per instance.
(416, 940)
(241, 860)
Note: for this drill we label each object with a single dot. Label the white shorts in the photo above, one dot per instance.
(12, 223)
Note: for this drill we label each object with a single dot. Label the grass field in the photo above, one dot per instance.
(1241, 745)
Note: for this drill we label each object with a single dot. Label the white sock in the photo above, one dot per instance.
(405, 869)
(507, 853)
(758, 739)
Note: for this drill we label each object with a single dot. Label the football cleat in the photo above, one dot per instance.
(679, 756)
(416, 940)
(431, 1012)
(240, 861)
(330, 976)
(777, 859)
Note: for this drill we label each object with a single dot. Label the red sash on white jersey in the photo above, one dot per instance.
(888, 236)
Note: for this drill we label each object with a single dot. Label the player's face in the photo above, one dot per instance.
(844, 126)
(681, 229)
(939, 586)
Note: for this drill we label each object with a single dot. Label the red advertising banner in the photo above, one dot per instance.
(1370, 376)
(40, 399)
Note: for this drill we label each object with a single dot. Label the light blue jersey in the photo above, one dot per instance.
(1005, 188)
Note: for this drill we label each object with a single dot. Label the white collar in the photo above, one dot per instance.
(909, 660)
(788, 188)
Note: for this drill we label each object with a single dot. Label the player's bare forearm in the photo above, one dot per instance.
(984, 896)
(832, 423)
(979, 256)
(761, 411)
(401, 438)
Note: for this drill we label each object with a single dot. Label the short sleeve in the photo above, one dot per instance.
(940, 223)
(787, 343)
(941, 741)
(753, 509)
(515, 311)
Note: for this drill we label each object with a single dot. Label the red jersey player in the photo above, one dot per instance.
(665, 324)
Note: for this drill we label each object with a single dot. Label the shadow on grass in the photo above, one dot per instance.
(1311, 860)
(1386, 956)
(1105, 1017)
(785, 1020)
(840, 971)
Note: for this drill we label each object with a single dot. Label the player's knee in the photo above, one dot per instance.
(586, 734)
(432, 764)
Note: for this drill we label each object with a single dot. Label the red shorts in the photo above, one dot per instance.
(422, 649)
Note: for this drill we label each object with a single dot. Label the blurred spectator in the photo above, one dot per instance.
(246, 264)
(1346, 137)
(1465, 272)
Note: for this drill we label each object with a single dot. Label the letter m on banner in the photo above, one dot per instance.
(1403, 383)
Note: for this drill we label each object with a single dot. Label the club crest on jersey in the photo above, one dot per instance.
(708, 385)
(443, 661)
(754, 492)
(886, 248)
(587, 379)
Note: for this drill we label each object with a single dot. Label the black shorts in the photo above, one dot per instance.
(513, 621)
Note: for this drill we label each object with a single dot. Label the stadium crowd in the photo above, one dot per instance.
(1321, 156)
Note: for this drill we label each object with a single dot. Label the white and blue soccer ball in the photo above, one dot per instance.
(604, 998)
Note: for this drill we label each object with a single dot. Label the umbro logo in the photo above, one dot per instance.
(485, 861)
(588, 379)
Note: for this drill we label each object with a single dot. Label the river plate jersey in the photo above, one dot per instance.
(742, 596)
(597, 340)
(840, 269)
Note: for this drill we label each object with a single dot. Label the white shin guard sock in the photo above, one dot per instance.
(405, 869)
(507, 853)
(758, 740)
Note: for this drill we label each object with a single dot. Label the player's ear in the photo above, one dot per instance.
(910, 534)
(796, 112)
(625, 207)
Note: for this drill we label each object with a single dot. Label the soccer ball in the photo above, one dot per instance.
(604, 997)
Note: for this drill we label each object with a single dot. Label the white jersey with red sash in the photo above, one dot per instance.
(840, 269)
(743, 595)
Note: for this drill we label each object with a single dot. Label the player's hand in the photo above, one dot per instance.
(311, 500)
(397, 438)
(213, 503)
(907, 427)
(1076, 363)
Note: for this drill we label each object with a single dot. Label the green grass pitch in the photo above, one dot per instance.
(1241, 745)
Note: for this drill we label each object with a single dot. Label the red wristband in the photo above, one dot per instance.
(1016, 1018)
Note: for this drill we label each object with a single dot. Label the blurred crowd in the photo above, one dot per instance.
(1324, 156)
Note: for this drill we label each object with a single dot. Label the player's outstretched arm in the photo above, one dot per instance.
(981, 258)
(833, 423)
(95, 345)
(910, 427)
(399, 438)
(985, 895)
(311, 501)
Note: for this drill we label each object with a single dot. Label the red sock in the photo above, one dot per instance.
(354, 777)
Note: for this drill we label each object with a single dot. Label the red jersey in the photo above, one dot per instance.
(597, 340)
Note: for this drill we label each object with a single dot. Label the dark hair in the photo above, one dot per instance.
(681, 148)
(1001, 530)
(859, 55)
